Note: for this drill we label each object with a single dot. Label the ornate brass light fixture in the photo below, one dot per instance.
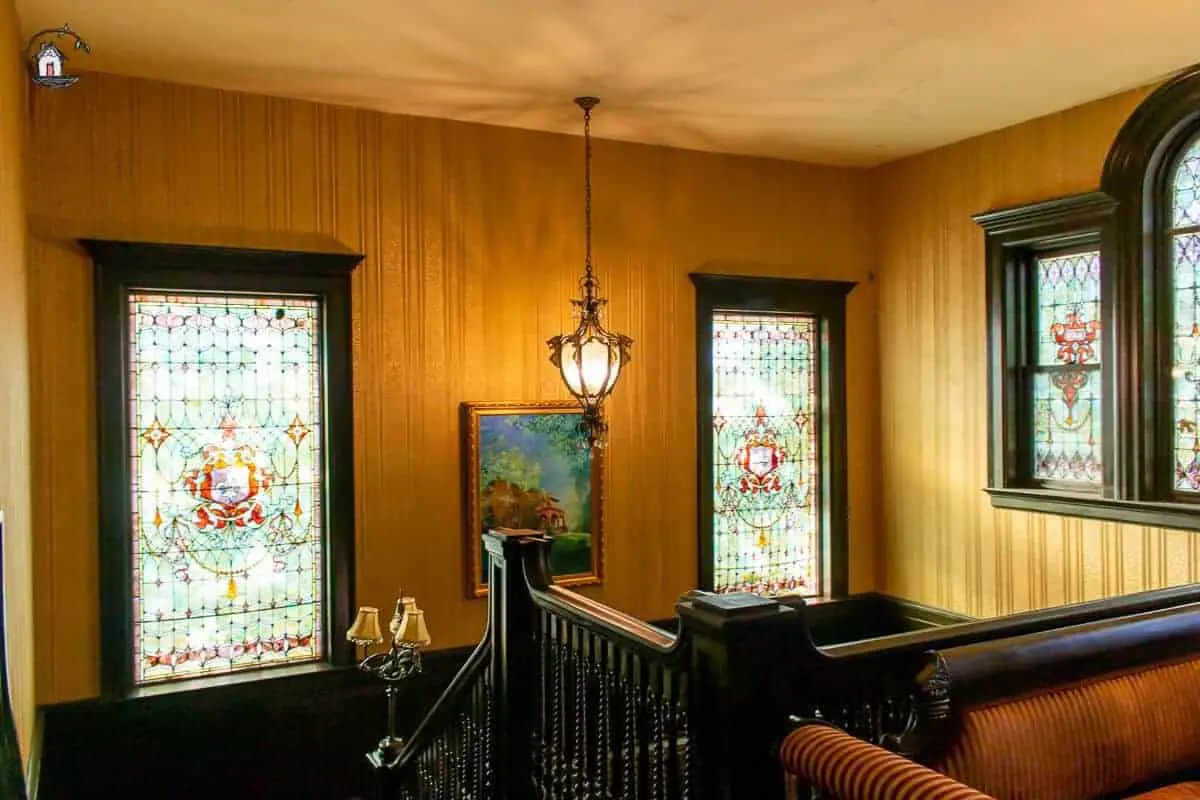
(590, 358)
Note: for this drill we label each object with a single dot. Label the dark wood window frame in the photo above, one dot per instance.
(1015, 238)
(124, 266)
(1126, 218)
(1139, 166)
(825, 300)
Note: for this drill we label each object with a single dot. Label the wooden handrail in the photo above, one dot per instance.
(919, 642)
(616, 623)
(447, 706)
(625, 629)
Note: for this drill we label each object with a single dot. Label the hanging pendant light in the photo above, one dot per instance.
(590, 358)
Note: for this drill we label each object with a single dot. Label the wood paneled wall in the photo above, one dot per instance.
(15, 463)
(942, 542)
(473, 243)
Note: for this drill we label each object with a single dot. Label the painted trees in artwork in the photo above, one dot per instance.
(535, 474)
(564, 438)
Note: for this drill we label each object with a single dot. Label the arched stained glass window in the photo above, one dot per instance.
(1094, 331)
(1184, 252)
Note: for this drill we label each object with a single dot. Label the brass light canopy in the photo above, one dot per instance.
(590, 358)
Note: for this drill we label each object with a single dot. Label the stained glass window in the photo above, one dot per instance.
(1066, 374)
(1185, 274)
(765, 422)
(226, 441)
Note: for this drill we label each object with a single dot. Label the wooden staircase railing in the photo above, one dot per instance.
(566, 698)
(613, 712)
(449, 755)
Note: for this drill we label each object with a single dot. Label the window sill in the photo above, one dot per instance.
(1160, 515)
(243, 686)
(263, 676)
(283, 687)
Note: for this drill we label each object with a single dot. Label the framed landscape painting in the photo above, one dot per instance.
(528, 467)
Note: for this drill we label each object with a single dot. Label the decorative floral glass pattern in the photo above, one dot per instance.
(1185, 368)
(765, 450)
(225, 409)
(1185, 205)
(1066, 372)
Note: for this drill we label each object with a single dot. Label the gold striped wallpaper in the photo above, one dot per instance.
(474, 242)
(942, 542)
(15, 437)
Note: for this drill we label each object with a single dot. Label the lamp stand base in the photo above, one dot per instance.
(383, 760)
(386, 752)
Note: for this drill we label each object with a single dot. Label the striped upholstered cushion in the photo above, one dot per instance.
(1092, 739)
(845, 767)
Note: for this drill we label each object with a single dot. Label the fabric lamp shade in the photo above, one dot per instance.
(412, 629)
(365, 629)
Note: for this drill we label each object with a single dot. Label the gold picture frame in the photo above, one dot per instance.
(536, 443)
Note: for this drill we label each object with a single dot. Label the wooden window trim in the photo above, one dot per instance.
(1128, 214)
(1136, 173)
(825, 300)
(1014, 238)
(123, 265)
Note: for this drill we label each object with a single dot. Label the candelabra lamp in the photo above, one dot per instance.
(402, 660)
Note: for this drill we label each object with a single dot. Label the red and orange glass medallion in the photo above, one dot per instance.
(766, 525)
(1067, 434)
(224, 401)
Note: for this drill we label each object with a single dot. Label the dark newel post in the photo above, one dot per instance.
(512, 620)
(739, 655)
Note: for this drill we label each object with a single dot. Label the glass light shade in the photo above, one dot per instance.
(590, 369)
(590, 360)
(365, 629)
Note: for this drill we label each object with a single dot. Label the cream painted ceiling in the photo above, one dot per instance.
(830, 81)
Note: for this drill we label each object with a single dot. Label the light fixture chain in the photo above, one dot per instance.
(587, 199)
(579, 355)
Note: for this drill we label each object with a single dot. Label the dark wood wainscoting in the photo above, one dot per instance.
(303, 736)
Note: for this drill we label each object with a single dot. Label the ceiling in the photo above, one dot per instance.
(854, 82)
